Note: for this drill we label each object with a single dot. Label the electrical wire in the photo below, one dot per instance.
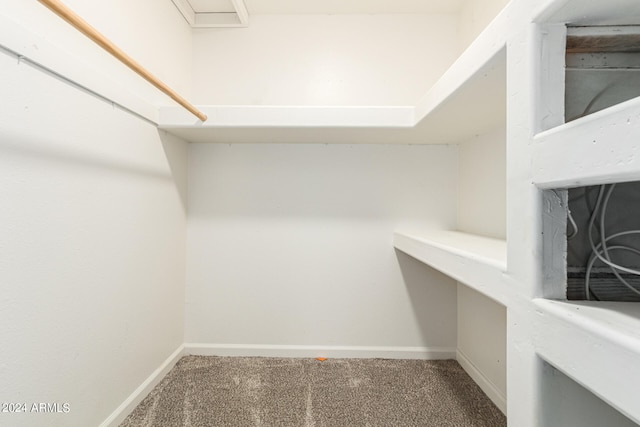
(592, 260)
(574, 226)
(603, 239)
(600, 252)
(573, 199)
(595, 99)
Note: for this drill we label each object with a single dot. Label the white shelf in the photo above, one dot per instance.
(607, 143)
(589, 12)
(291, 124)
(478, 262)
(474, 87)
(236, 116)
(595, 343)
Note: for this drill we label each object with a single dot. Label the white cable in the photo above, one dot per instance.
(572, 221)
(593, 259)
(602, 207)
(592, 220)
(603, 212)
(602, 249)
(591, 103)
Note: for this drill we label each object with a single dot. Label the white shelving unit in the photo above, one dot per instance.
(478, 75)
(473, 87)
(596, 344)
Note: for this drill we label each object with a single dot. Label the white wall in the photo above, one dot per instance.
(482, 211)
(324, 59)
(475, 16)
(292, 245)
(568, 404)
(92, 246)
(482, 341)
(482, 185)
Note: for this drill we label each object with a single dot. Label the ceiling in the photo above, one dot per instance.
(235, 13)
(338, 7)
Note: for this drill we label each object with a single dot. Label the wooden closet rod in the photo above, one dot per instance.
(81, 25)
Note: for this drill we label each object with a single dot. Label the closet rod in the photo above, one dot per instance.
(81, 25)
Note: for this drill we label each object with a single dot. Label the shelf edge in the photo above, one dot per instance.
(482, 273)
(608, 142)
(248, 116)
(593, 353)
(587, 12)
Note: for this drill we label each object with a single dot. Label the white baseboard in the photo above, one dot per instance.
(143, 390)
(490, 389)
(253, 350)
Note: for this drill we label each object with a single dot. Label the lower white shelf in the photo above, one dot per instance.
(478, 262)
(597, 344)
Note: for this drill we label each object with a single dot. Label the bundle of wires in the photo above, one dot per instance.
(602, 250)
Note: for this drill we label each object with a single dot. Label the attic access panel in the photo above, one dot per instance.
(602, 68)
(213, 13)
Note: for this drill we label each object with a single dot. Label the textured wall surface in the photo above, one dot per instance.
(92, 248)
(292, 244)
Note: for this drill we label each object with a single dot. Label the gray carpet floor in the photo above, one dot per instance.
(251, 391)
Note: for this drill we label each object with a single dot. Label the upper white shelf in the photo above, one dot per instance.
(469, 99)
(478, 262)
(589, 12)
(607, 143)
(595, 343)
